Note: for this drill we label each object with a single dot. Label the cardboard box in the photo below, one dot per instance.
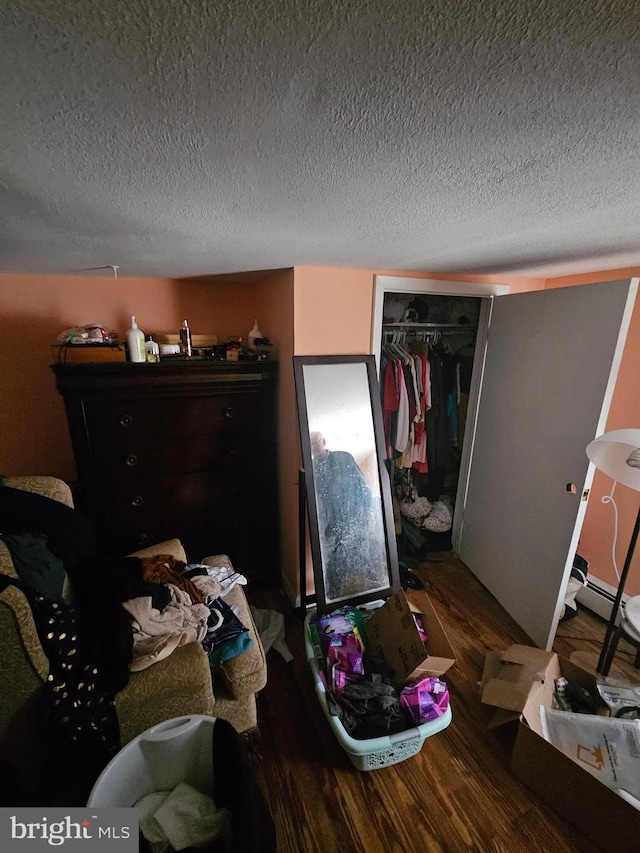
(80, 353)
(507, 679)
(392, 626)
(518, 682)
(197, 341)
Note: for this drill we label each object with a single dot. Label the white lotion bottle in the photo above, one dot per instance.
(254, 334)
(135, 342)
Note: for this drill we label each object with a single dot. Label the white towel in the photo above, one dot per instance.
(183, 818)
(147, 807)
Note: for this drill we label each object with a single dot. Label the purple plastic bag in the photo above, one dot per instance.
(344, 661)
(425, 700)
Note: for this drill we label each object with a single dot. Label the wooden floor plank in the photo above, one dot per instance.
(458, 793)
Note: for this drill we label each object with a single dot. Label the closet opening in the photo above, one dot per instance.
(444, 323)
(426, 365)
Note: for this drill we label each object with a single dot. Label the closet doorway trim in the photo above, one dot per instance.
(384, 284)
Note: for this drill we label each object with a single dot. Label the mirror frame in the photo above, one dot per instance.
(324, 606)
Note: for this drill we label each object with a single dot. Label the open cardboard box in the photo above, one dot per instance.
(518, 682)
(393, 628)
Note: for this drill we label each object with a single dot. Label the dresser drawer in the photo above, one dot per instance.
(125, 462)
(207, 511)
(118, 421)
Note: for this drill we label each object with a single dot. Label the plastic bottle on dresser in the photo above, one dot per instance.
(135, 342)
(152, 349)
(185, 339)
(254, 334)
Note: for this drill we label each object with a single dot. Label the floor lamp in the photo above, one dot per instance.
(617, 454)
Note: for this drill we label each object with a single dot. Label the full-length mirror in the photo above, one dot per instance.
(347, 486)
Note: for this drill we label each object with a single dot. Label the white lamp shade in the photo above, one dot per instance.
(610, 451)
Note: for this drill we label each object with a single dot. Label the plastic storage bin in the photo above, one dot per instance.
(177, 750)
(371, 753)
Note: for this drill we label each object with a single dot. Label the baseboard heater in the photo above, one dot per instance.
(598, 597)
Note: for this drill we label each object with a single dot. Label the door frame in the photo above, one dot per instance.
(384, 284)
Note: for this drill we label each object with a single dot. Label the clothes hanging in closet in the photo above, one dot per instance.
(420, 389)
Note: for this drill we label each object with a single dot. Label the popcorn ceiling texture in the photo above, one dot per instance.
(186, 138)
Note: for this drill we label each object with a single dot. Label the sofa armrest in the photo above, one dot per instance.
(246, 673)
(174, 687)
(23, 664)
(48, 487)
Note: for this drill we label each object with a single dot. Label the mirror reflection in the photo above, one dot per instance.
(349, 523)
(345, 478)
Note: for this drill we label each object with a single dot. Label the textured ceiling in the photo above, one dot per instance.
(192, 137)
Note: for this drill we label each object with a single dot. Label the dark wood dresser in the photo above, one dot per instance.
(184, 449)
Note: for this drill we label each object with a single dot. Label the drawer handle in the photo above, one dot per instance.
(229, 412)
(142, 539)
(126, 420)
(136, 500)
(131, 460)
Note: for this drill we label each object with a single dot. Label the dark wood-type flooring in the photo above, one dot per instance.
(457, 793)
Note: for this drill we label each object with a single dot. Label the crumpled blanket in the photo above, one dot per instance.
(156, 633)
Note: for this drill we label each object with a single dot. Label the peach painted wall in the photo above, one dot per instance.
(275, 311)
(35, 309)
(597, 531)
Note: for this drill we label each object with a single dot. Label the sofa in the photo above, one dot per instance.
(182, 683)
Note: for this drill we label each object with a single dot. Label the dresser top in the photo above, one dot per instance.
(183, 374)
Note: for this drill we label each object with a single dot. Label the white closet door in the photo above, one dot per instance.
(551, 361)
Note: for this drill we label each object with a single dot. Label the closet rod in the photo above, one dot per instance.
(456, 326)
(403, 332)
(421, 334)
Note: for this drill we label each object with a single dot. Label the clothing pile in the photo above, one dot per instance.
(184, 603)
(127, 613)
(132, 612)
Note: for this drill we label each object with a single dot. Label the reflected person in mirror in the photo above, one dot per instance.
(352, 552)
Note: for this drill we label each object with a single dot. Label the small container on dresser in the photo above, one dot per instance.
(185, 450)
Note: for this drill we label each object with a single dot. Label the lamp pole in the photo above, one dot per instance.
(604, 655)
